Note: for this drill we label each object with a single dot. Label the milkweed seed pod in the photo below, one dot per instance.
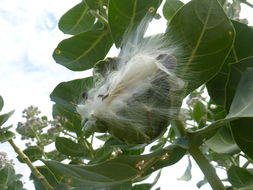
(137, 93)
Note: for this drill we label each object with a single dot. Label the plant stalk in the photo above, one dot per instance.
(179, 127)
(39, 143)
(206, 168)
(34, 170)
(99, 17)
(247, 3)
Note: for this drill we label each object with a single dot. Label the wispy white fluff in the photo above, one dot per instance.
(142, 82)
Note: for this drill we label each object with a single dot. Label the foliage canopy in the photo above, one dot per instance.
(216, 57)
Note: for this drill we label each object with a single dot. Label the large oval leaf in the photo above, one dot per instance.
(6, 135)
(123, 16)
(47, 174)
(242, 132)
(76, 20)
(235, 75)
(7, 174)
(201, 51)
(82, 51)
(97, 4)
(170, 8)
(243, 46)
(239, 177)
(69, 120)
(223, 86)
(69, 94)
(222, 142)
(242, 105)
(70, 148)
(240, 116)
(116, 171)
(5, 117)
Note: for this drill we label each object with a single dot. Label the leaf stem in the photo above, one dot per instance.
(247, 3)
(66, 133)
(34, 170)
(179, 128)
(206, 168)
(248, 162)
(39, 143)
(88, 145)
(99, 17)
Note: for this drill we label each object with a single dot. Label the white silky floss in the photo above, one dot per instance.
(142, 66)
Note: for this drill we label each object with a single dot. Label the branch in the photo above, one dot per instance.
(206, 168)
(247, 3)
(34, 170)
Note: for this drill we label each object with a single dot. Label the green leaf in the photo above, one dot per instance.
(55, 155)
(7, 175)
(113, 142)
(69, 120)
(124, 16)
(124, 148)
(170, 8)
(103, 137)
(187, 174)
(102, 154)
(47, 174)
(236, 73)
(201, 183)
(117, 171)
(242, 105)
(199, 112)
(222, 142)
(194, 28)
(69, 94)
(16, 185)
(68, 147)
(240, 114)
(9, 180)
(5, 117)
(124, 186)
(1, 103)
(250, 187)
(97, 4)
(101, 68)
(217, 86)
(215, 112)
(147, 186)
(223, 86)
(242, 132)
(76, 20)
(6, 136)
(34, 153)
(243, 46)
(161, 143)
(83, 50)
(239, 177)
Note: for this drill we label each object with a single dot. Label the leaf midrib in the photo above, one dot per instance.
(131, 23)
(79, 176)
(90, 48)
(80, 18)
(194, 51)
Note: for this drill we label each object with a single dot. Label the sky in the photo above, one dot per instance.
(28, 73)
